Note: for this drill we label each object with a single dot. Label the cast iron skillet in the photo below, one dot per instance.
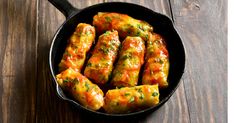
(161, 23)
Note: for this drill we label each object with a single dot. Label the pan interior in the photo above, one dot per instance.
(162, 25)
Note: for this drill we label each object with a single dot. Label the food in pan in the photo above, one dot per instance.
(100, 65)
(130, 60)
(78, 45)
(84, 91)
(115, 62)
(129, 99)
(157, 62)
(124, 24)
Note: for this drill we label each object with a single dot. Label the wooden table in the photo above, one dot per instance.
(26, 91)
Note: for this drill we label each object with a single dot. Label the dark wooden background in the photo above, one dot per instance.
(26, 91)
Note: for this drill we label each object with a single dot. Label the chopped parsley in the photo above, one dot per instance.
(108, 19)
(146, 37)
(154, 94)
(107, 33)
(138, 33)
(132, 99)
(104, 50)
(88, 33)
(129, 32)
(87, 86)
(139, 90)
(139, 26)
(126, 57)
(126, 94)
(66, 80)
(142, 96)
(160, 61)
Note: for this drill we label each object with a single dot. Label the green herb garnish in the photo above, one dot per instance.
(88, 33)
(154, 94)
(126, 94)
(104, 50)
(87, 86)
(142, 96)
(66, 80)
(129, 32)
(146, 37)
(138, 33)
(107, 33)
(108, 19)
(160, 61)
(139, 90)
(126, 57)
(132, 99)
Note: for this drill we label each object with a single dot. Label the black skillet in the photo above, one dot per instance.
(161, 23)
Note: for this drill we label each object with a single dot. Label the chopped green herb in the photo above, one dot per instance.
(108, 19)
(107, 33)
(138, 33)
(88, 33)
(126, 57)
(142, 96)
(146, 37)
(87, 86)
(111, 48)
(129, 32)
(140, 27)
(139, 90)
(113, 41)
(160, 61)
(104, 50)
(126, 94)
(66, 80)
(154, 94)
(131, 99)
(107, 64)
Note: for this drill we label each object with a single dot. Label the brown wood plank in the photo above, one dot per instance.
(51, 109)
(18, 61)
(203, 27)
(161, 6)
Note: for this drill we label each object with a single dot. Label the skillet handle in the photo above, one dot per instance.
(65, 7)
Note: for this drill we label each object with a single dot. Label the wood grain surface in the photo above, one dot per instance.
(27, 93)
